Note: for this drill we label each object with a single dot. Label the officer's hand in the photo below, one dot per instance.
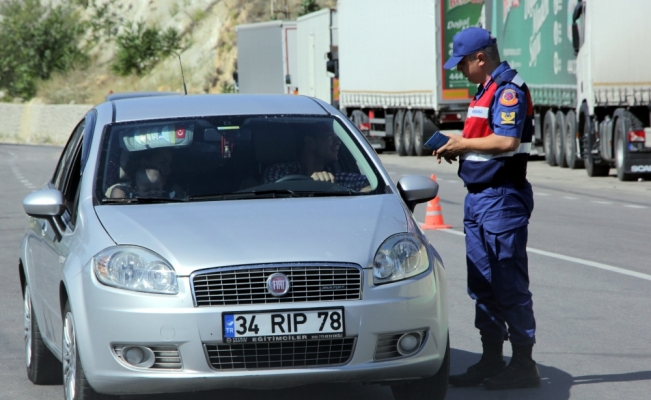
(323, 176)
(452, 149)
(448, 159)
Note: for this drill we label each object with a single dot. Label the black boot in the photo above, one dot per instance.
(522, 372)
(490, 364)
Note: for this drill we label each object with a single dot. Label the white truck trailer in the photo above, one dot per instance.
(614, 86)
(390, 67)
(267, 57)
(317, 41)
(584, 62)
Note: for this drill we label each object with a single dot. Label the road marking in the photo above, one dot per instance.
(574, 260)
(19, 176)
(596, 201)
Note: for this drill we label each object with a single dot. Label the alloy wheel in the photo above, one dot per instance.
(27, 320)
(69, 357)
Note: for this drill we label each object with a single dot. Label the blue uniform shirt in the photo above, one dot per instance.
(500, 120)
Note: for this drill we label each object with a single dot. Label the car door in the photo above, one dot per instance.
(57, 240)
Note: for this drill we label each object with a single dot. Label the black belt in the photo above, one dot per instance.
(480, 187)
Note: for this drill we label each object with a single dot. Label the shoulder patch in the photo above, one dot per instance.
(508, 97)
(508, 118)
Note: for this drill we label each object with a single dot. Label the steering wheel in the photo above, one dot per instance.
(293, 178)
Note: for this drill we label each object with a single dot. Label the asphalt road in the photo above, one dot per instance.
(590, 266)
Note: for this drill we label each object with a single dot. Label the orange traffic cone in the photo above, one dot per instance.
(434, 214)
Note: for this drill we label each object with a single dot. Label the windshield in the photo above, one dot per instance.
(227, 158)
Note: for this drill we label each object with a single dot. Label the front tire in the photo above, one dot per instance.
(593, 165)
(419, 130)
(408, 133)
(621, 129)
(42, 366)
(548, 137)
(432, 388)
(559, 139)
(75, 385)
(572, 143)
(399, 133)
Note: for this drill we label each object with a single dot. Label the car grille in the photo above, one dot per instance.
(167, 357)
(387, 347)
(248, 285)
(306, 353)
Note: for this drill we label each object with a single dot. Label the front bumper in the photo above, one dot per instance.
(106, 317)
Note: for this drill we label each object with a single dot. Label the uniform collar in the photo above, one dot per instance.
(503, 67)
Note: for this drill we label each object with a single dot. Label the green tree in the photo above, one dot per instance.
(140, 48)
(36, 40)
(308, 6)
(105, 19)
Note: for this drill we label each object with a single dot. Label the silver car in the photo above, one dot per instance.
(189, 243)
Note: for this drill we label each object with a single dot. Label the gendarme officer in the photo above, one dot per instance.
(493, 153)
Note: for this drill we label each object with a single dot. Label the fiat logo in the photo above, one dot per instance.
(278, 284)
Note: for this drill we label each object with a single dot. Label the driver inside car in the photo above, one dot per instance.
(318, 149)
(148, 172)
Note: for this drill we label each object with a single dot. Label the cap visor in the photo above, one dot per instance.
(452, 62)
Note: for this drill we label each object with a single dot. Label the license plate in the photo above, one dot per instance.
(283, 325)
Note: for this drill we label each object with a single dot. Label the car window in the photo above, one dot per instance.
(89, 127)
(67, 175)
(235, 157)
(59, 180)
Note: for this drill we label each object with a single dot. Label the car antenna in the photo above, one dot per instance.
(185, 89)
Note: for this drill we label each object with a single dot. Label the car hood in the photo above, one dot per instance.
(198, 235)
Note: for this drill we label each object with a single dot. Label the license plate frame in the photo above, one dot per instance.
(290, 330)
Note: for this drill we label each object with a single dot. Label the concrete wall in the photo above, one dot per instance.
(39, 123)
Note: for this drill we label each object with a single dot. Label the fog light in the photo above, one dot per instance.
(134, 355)
(409, 343)
(138, 356)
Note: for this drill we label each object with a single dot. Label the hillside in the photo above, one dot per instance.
(207, 28)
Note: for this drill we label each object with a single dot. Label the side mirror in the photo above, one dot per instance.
(576, 14)
(415, 189)
(45, 203)
(576, 40)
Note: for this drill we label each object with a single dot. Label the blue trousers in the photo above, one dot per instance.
(495, 223)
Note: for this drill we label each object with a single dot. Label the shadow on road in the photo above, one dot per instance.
(556, 384)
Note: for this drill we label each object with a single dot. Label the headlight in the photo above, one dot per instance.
(134, 268)
(401, 256)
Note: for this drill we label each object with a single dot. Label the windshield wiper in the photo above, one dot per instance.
(348, 192)
(272, 193)
(143, 200)
(120, 201)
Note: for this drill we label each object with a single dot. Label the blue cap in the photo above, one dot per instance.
(467, 42)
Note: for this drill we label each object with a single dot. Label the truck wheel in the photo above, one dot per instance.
(572, 142)
(419, 131)
(621, 130)
(548, 137)
(408, 133)
(398, 133)
(559, 139)
(43, 368)
(593, 164)
(432, 388)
